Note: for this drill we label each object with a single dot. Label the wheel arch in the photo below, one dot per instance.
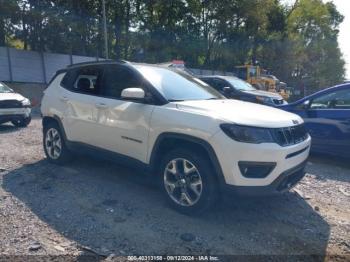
(54, 119)
(168, 141)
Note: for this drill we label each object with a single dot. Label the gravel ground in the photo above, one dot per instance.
(93, 207)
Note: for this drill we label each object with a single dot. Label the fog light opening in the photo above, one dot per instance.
(256, 169)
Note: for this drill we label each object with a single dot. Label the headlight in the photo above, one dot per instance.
(25, 102)
(264, 99)
(247, 134)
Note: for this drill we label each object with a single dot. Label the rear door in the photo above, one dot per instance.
(123, 126)
(79, 95)
(328, 121)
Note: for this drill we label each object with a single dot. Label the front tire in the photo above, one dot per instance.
(54, 145)
(188, 181)
(24, 122)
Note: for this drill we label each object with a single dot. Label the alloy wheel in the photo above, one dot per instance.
(53, 143)
(183, 182)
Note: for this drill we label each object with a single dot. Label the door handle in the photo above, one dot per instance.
(64, 98)
(101, 105)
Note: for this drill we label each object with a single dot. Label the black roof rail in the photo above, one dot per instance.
(109, 61)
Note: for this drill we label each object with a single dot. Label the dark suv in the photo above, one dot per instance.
(235, 88)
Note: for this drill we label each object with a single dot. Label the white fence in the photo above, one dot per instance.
(34, 67)
(37, 67)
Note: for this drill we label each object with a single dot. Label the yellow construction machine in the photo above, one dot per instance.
(260, 79)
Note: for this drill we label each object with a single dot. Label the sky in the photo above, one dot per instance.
(343, 7)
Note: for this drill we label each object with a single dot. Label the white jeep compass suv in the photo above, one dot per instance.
(14, 107)
(177, 128)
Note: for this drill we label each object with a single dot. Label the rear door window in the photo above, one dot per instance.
(86, 80)
(69, 78)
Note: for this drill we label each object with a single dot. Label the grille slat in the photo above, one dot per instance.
(290, 135)
(10, 104)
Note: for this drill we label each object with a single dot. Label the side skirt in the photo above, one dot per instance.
(96, 152)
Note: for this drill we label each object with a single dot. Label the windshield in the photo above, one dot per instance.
(5, 89)
(240, 84)
(178, 86)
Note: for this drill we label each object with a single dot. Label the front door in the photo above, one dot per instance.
(123, 126)
(328, 121)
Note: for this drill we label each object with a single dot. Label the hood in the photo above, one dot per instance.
(263, 93)
(11, 96)
(241, 113)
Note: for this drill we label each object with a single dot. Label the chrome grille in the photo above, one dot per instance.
(290, 135)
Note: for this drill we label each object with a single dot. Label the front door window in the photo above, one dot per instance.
(336, 100)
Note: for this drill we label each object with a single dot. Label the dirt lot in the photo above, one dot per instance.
(96, 207)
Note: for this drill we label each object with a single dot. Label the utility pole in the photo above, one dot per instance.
(105, 28)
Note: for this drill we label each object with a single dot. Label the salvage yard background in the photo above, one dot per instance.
(29, 72)
(39, 67)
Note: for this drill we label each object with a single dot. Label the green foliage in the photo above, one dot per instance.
(8, 18)
(313, 30)
(298, 44)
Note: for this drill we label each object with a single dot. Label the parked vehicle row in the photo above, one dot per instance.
(327, 119)
(233, 87)
(196, 142)
(326, 113)
(14, 107)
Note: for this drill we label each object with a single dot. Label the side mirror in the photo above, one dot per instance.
(306, 104)
(133, 93)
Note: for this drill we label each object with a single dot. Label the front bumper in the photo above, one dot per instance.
(10, 114)
(286, 181)
(286, 161)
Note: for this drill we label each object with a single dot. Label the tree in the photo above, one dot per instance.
(313, 27)
(8, 18)
(296, 43)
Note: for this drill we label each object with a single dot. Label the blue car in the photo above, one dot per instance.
(327, 119)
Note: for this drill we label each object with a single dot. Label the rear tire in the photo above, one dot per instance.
(188, 181)
(24, 122)
(55, 147)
